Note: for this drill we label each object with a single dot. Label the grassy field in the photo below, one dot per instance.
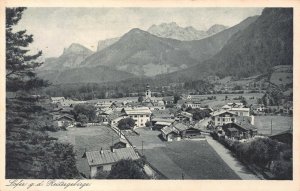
(192, 159)
(220, 99)
(90, 138)
(279, 124)
(147, 137)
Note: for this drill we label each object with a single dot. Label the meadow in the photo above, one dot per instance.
(91, 138)
(279, 124)
(181, 159)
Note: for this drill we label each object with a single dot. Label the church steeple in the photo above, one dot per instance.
(148, 92)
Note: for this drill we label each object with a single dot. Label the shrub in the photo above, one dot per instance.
(126, 123)
(148, 124)
(282, 170)
(261, 152)
(127, 169)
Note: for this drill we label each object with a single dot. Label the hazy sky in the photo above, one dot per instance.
(56, 28)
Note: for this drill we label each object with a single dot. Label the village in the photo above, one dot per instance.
(170, 134)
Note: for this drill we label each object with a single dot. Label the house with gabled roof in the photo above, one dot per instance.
(222, 117)
(239, 130)
(139, 114)
(169, 100)
(170, 134)
(103, 160)
(186, 131)
(63, 120)
(184, 117)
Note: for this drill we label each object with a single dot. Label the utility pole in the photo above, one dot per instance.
(142, 148)
(271, 127)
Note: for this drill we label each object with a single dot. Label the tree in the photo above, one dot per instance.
(148, 124)
(82, 118)
(20, 65)
(243, 100)
(126, 123)
(176, 98)
(259, 101)
(127, 169)
(30, 152)
(140, 99)
(88, 110)
(282, 170)
(198, 114)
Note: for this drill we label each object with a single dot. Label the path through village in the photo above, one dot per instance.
(231, 161)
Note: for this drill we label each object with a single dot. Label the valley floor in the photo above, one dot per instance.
(189, 159)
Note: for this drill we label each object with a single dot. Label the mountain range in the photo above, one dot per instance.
(249, 48)
(145, 54)
(171, 30)
(266, 43)
(71, 58)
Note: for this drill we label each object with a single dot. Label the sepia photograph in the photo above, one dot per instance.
(152, 93)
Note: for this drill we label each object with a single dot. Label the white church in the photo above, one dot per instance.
(153, 103)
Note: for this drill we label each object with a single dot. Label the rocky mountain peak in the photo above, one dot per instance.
(76, 48)
(216, 28)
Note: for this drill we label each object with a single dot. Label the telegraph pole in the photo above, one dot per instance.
(142, 148)
(271, 127)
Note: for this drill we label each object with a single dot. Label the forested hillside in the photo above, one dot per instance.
(265, 43)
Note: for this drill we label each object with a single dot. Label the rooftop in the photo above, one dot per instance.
(216, 113)
(180, 126)
(162, 114)
(138, 110)
(163, 123)
(57, 98)
(166, 130)
(186, 114)
(162, 120)
(95, 158)
(169, 98)
(57, 117)
(246, 125)
(290, 131)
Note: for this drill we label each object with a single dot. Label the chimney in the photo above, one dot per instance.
(101, 151)
(112, 149)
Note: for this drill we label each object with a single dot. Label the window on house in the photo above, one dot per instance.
(142, 115)
(218, 119)
(135, 116)
(147, 115)
(223, 119)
